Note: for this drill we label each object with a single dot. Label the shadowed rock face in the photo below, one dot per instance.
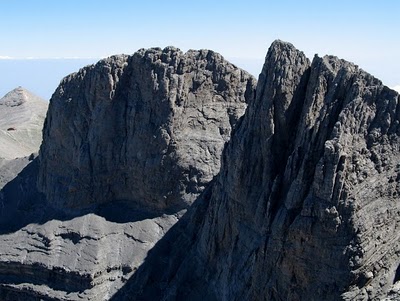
(148, 128)
(305, 206)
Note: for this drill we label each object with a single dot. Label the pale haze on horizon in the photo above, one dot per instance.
(44, 40)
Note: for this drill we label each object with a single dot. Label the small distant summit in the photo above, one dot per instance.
(19, 107)
(19, 96)
(22, 114)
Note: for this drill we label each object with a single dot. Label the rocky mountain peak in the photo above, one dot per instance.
(293, 213)
(157, 120)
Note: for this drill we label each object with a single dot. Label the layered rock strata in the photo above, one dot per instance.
(88, 257)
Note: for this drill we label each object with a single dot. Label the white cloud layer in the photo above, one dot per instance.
(5, 57)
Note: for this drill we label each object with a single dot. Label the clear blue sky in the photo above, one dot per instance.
(365, 32)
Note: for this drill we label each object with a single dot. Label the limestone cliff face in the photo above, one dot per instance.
(305, 206)
(147, 129)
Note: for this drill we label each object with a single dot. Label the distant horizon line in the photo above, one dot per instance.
(234, 59)
(28, 58)
(11, 58)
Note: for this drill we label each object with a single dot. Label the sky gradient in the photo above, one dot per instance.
(364, 32)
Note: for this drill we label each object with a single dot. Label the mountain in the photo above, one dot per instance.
(305, 206)
(151, 184)
(129, 143)
(21, 122)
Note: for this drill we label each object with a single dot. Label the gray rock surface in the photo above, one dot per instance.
(305, 206)
(129, 143)
(147, 129)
